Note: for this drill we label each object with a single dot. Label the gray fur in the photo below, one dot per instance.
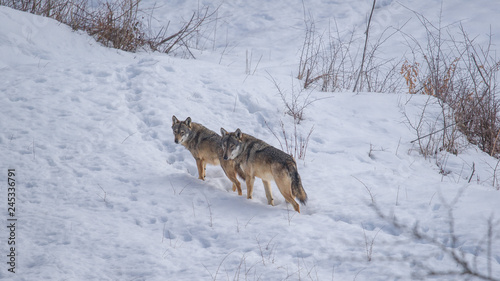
(259, 159)
(206, 147)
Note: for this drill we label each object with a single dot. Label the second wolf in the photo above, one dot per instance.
(259, 159)
(206, 147)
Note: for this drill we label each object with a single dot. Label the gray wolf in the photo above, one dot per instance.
(206, 147)
(259, 159)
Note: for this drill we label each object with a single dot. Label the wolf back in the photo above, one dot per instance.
(205, 146)
(259, 159)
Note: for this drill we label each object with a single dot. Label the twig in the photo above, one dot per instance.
(440, 130)
(186, 185)
(364, 49)
(369, 246)
(103, 198)
(495, 175)
(448, 246)
(397, 148)
(246, 224)
(209, 211)
(220, 264)
(257, 65)
(260, 250)
(369, 191)
(495, 144)
(128, 137)
(173, 188)
(274, 134)
(473, 171)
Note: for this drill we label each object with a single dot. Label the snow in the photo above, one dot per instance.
(104, 193)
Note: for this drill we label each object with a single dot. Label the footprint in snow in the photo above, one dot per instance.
(205, 243)
(187, 237)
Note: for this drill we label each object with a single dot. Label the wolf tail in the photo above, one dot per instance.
(297, 189)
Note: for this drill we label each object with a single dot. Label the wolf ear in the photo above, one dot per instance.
(188, 122)
(223, 132)
(238, 134)
(174, 120)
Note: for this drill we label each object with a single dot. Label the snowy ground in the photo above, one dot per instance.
(104, 193)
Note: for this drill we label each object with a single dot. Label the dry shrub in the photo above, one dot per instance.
(294, 143)
(410, 74)
(120, 23)
(462, 75)
(331, 61)
(190, 31)
(116, 25)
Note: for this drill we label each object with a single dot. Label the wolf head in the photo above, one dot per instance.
(231, 144)
(181, 129)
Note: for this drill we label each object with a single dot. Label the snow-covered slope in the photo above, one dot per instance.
(104, 193)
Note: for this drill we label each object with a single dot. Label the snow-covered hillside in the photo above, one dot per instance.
(102, 192)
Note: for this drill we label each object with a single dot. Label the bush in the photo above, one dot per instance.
(459, 72)
(462, 75)
(118, 24)
(333, 62)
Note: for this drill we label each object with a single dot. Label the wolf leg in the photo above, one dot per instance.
(249, 181)
(230, 171)
(201, 171)
(237, 185)
(269, 194)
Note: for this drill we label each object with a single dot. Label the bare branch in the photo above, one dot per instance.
(364, 49)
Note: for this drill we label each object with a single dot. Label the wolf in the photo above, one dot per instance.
(259, 159)
(206, 147)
